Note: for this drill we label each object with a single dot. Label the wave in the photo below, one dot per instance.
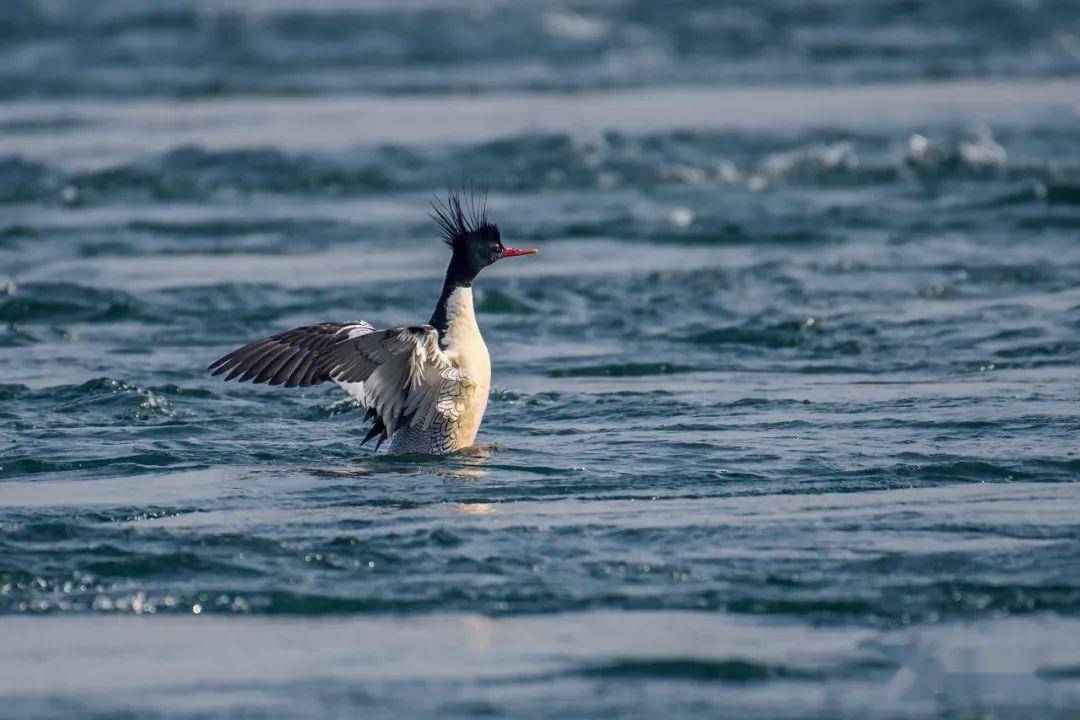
(695, 669)
(920, 469)
(125, 400)
(10, 391)
(126, 567)
(41, 302)
(621, 370)
(21, 465)
(807, 334)
(12, 336)
(25, 180)
(501, 302)
(183, 48)
(555, 161)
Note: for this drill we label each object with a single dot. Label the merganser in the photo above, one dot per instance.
(424, 386)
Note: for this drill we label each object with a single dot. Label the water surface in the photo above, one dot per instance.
(785, 413)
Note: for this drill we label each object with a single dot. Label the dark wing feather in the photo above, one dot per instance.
(378, 429)
(290, 358)
(356, 359)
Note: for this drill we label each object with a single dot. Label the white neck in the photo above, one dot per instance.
(461, 328)
(467, 351)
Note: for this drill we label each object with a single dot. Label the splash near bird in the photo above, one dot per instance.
(425, 387)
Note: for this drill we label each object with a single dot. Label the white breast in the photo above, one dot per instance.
(464, 344)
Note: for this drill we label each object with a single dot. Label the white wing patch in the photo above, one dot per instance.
(404, 376)
(357, 329)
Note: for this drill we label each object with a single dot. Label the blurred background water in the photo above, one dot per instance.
(786, 412)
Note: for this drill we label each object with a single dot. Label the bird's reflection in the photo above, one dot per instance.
(467, 464)
(475, 508)
(479, 632)
(472, 459)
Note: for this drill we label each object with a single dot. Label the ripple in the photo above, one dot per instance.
(67, 302)
(621, 370)
(696, 670)
(17, 466)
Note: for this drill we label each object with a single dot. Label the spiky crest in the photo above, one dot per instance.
(456, 218)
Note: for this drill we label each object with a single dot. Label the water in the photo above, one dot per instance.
(785, 413)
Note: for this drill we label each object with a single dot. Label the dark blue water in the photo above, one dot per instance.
(785, 415)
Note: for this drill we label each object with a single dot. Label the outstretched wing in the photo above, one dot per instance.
(291, 358)
(407, 378)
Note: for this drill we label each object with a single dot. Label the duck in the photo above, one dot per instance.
(425, 387)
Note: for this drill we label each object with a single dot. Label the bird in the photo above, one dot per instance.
(425, 387)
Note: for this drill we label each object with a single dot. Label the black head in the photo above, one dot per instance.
(474, 241)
